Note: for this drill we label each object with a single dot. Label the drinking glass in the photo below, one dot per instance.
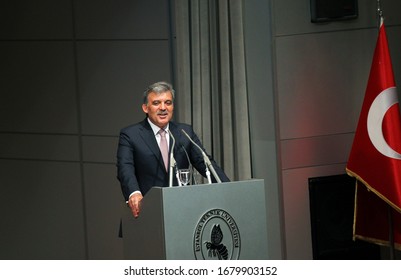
(184, 176)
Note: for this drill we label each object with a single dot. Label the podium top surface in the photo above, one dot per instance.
(208, 187)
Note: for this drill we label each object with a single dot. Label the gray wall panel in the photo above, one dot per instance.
(103, 211)
(315, 151)
(122, 19)
(394, 42)
(39, 146)
(41, 205)
(42, 19)
(38, 87)
(113, 78)
(99, 149)
(321, 79)
(262, 110)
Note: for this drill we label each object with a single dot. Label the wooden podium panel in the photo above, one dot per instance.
(216, 221)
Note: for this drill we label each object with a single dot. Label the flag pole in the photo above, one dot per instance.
(379, 14)
(390, 215)
(391, 233)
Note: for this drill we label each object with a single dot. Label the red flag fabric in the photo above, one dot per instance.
(375, 157)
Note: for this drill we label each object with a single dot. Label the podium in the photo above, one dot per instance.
(224, 221)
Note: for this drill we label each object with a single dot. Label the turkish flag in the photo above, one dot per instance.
(375, 157)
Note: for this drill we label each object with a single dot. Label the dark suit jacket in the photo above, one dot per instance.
(139, 161)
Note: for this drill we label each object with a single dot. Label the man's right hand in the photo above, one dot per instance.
(134, 203)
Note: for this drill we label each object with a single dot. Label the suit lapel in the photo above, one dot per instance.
(150, 140)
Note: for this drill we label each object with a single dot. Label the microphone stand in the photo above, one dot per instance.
(207, 161)
(173, 163)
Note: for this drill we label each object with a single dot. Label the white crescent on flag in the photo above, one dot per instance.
(377, 111)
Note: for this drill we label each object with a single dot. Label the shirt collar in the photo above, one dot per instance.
(156, 129)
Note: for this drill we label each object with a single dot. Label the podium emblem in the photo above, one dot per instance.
(217, 237)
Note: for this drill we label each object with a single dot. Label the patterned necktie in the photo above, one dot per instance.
(164, 147)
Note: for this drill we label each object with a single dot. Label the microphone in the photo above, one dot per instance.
(190, 164)
(206, 160)
(172, 163)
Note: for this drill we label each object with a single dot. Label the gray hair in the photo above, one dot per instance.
(159, 87)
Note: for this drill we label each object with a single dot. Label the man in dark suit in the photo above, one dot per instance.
(140, 164)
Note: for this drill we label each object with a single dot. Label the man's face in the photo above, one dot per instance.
(159, 108)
